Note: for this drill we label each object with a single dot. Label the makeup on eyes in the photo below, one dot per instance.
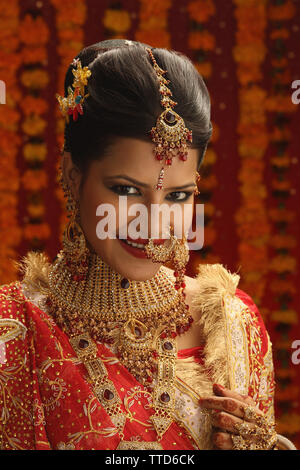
(121, 191)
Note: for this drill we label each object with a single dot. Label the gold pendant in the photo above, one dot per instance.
(161, 424)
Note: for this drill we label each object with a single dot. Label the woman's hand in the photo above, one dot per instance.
(238, 423)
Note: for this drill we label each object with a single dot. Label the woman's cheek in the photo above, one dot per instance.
(187, 217)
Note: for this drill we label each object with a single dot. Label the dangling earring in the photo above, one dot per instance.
(74, 242)
(198, 178)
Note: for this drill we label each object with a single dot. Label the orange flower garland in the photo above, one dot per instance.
(34, 34)
(283, 263)
(251, 218)
(117, 22)
(201, 10)
(70, 17)
(153, 24)
(200, 40)
(201, 43)
(10, 140)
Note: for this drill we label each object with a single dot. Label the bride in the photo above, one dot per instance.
(111, 345)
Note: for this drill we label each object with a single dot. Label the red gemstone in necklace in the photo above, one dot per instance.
(137, 332)
(108, 394)
(83, 343)
(168, 346)
(125, 283)
(180, 330)
(165, 397)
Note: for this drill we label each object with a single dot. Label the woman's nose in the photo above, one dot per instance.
(159, 218)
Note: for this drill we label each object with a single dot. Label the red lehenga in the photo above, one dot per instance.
(46, 398)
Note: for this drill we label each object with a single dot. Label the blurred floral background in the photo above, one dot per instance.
(248, 52)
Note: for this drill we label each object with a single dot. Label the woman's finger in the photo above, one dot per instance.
(222, 440)
(219, 390)
(230, 405)
(228, 422)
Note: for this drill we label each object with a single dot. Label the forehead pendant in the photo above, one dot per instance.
(170, 135)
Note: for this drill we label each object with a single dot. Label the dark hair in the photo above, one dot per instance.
(124, 98)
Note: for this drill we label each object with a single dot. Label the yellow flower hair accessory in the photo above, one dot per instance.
(72, 104)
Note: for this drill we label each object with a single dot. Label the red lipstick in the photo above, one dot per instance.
(135, 251)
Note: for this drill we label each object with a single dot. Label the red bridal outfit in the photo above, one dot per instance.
(62, 390)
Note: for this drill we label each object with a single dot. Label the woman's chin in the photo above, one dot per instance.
(127, 263)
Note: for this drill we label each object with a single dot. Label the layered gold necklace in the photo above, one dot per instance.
(138, 320)
(132, 317)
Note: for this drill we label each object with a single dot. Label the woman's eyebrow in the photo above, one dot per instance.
(144, 185)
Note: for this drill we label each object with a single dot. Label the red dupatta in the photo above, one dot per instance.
(47, 400)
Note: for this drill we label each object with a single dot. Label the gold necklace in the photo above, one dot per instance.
(133, 317)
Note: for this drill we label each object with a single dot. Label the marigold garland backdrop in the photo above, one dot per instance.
(248, 52)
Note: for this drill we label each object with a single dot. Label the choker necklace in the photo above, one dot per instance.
(135, 318)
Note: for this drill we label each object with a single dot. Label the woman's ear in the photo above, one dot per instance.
(71, 175)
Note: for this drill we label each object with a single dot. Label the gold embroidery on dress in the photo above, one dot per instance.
(11, 329)
(213, 282)
(139, 445)
(237, 347)
(104, 388)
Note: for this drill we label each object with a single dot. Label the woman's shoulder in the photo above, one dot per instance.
(214, 282)
(11, 299)
(211, 280)
(13, 319)
(214, 286)
(215, 293)
(15, 297)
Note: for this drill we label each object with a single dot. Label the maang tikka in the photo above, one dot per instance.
(170, 135)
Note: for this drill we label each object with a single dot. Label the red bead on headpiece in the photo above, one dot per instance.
(170, 135)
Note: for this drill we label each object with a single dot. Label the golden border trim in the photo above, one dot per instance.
(237, 351)
(139, 445)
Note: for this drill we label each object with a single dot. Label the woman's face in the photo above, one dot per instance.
(130, 169)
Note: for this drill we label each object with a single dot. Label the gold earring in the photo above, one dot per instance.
(75, 249)
(74, 242)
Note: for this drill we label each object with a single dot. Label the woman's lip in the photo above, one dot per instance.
(136, 252)
(144, 241)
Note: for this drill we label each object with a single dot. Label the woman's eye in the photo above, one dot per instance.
(123, 189)
(179, 196)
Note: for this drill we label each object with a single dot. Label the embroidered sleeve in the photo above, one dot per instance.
(261, 378)
(16, 403)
